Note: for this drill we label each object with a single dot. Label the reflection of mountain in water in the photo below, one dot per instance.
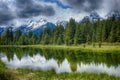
(39, 62)
(61, 60)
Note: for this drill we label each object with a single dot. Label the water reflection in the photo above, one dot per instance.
(61, 60)
(98, 68)
(37, 62)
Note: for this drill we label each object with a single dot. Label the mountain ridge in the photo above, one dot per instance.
(38, 26)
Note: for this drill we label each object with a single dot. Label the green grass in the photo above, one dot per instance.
(104, 48)
(5, 74)
(26, 74)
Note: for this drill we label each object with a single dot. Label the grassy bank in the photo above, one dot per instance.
(80, 47)
(104, 48)
(24, 74)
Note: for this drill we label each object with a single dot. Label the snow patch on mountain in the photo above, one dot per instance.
(94, 16)
(115, 14)
(36, 24)
(63, 23)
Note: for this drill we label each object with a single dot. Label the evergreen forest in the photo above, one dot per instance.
(72, 34)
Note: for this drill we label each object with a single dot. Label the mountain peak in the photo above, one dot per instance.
(36, 23)
(42, 20)
(94, 16)
(116, 14)
(86, 19)
(63, 23)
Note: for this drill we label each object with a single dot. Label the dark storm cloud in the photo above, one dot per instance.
(23, 9)
(85, 5)
(92, 5)
(5, 13)
(28, 8)
(115, 5)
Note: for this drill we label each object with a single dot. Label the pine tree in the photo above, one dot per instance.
(33, 39)
(78, 36)
(94, 32)
(17, 36)
(113, 33)
(58, 35)
(23, 40)
(10, 36)
(4, 38)
(70, 32)
(40, 37)
(46, 36)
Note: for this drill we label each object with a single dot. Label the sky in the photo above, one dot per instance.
(17, 12)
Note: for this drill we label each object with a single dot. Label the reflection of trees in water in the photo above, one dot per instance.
(74, 57)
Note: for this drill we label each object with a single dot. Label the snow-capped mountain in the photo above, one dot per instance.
(4, 28)
(35, 26)
(23, 28)
(92, 17)
(38, 26)
(86, 19)
(1, 30)
(42, 27)
(115, 14)
(31, 25)
(63, 23)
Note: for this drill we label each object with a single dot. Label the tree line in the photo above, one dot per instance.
(72, 34)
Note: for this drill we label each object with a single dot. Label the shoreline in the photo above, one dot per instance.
(104, 48)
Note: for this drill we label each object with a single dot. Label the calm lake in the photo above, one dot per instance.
(61, 60)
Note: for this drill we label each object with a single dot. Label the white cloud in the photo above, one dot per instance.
(63, 14)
